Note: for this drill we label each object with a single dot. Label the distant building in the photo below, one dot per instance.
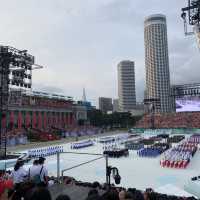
(126, 85)
(87, 104)
(105, 104)
(42, 111)
(139, 110)
(157, 62)
(115, 105)
(84, 96)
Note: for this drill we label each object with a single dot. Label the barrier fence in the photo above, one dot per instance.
(60, 173)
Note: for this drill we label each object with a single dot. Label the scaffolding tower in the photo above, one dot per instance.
(15, 70)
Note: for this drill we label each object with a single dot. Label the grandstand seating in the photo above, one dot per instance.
(171, 120)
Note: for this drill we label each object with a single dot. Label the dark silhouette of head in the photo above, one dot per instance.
(41, 160)
(35, 162)
(41, 193)
(63, 197)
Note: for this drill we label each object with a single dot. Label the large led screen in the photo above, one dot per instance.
(188, 104)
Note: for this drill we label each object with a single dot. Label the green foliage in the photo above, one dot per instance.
(113, 120)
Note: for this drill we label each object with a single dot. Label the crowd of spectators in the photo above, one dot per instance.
(27, 189)
(19, 136)
(46, 102)
(171, 120)
(77, 131)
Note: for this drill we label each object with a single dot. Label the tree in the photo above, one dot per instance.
(116, 119)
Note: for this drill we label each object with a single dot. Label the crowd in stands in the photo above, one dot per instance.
(19, 136)
(171, 120)
(45, 102)
(34, 189)
(81, 131)
(181, 155)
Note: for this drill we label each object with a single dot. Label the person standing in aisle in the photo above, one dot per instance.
(19, 174)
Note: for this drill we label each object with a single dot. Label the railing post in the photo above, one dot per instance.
(58, 165)
(107, 169)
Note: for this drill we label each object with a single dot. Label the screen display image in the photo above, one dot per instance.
(188, 104)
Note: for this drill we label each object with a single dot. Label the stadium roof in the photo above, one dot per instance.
(48, 95)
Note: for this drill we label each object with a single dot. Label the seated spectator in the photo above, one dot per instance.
(93, 195)
(23, 191)
(129, 196)
(40, 193)
(96, 185)
(111, 194)
(63, 197)
(122, 195)
(93, 192)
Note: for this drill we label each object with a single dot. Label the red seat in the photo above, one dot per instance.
(172, 164)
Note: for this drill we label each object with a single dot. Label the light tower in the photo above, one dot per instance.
(15, 71)
(191, 17)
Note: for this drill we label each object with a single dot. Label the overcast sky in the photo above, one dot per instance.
(80, 42)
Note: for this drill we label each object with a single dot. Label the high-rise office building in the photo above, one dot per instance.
(126, 85)
(157, 62)
(105, 104)
(115, 105)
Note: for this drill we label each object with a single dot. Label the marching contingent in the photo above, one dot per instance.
(43, 152)
(110, 146)
(108, 142)
(181, 155)
(83, 144)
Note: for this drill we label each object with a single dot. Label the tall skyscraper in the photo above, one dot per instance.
(157, 62)
(126, 85)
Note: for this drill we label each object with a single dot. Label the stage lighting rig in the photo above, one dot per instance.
(15, 70)
(191, 17)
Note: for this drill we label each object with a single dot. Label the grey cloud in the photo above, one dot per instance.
(80, 42)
